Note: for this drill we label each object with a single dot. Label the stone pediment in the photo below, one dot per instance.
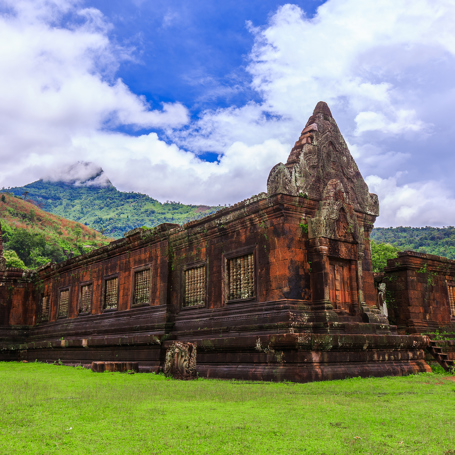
(335, 219)
(319, 156)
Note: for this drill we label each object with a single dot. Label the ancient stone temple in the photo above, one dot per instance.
(277, 287)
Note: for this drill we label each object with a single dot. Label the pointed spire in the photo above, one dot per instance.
(322, 108)
(318, 157)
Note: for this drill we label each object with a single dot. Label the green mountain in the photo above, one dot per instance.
(431, 240)
(33, 237)
(91, 199)
(104, 208)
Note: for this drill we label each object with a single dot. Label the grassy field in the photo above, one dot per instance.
(47, 409)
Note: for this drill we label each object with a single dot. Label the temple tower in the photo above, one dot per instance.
(321, 168)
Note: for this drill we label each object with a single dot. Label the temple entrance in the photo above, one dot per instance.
(343, 285)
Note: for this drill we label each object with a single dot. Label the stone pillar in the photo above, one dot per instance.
(322, 308)
(320, 270)
(361, 297)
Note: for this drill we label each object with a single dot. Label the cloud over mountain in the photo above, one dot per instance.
(385, 68)
(81, 173)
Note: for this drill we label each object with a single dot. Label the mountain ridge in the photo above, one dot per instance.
(104, 208)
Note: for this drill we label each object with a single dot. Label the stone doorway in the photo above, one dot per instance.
(343, 285)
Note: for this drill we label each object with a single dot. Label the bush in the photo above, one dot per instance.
(13, 260)
(380, 252)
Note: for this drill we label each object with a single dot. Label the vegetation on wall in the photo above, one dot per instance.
(33, 237)
(106, 209)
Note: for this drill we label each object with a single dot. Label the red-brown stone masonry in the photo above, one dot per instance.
(269, 227)
(22, 308)
(282, 270)
(5, 304)
(17, 306)
(397, 297)
(369, 290)
(417, 285)
(289, 273)
(121, 265)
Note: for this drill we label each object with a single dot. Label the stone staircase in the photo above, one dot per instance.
(439, 356)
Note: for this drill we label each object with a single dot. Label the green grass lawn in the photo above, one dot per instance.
(56, 409)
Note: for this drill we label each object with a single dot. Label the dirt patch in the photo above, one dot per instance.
(202, 208)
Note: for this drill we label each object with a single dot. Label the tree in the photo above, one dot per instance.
(12, 259)
(78, 233)
(380, 252)
(24, 242)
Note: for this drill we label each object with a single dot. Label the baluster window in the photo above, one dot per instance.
(111, 294)
(63, 304)
(241, 277)
(142, 281)
(45, 308)
(86, 298)
(195, 286)
(451, 289)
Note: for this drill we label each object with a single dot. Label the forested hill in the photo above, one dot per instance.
(114, 212)
(431, 240)
(33, 237)
(106, 209)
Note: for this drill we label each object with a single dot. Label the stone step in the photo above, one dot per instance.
(440, 357)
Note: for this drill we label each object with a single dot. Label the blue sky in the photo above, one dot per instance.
(196, 101)
(194, 52)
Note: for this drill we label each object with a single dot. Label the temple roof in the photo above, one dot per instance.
(319, 156)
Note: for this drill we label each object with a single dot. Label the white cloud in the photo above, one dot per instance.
(371, 62)
(404, 121)
(345, 56)
(81, 173)
(147, 162)
(385, 68)
(58, 81)
(423, 203)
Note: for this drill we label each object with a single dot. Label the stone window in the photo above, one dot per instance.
(63, 303)
(194, 286)
(85, 305)
(240, 277)
(142, 281)
(451, 289)
(110, 294)
(45, 308)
